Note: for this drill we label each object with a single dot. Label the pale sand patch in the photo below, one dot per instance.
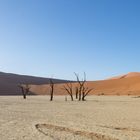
(112, 117)
(64, 133)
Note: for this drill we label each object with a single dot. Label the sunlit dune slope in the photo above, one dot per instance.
(128, 85)
(131, 74)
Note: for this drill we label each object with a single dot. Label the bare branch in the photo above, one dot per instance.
(68, 88)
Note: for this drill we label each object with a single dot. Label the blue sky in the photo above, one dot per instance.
(54, 38)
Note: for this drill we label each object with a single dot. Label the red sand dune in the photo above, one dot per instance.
(131, 74)
(128, 84)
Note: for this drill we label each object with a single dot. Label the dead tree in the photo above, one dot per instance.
(69, 89)
(25, 90)
(83, 91)
(81, 85)
(51, 89)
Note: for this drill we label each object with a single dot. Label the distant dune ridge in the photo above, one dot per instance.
(127, 84)
(9, 82)
(131, 74)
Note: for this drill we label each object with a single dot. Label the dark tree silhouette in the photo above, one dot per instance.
(82, 91)
(51, 89)
(76, 92)
(25, 89)
(69, 89)
(81, 85)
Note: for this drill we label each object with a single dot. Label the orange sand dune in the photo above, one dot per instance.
(131, 74)
(127, 85)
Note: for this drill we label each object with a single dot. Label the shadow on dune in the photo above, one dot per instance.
(9, 82)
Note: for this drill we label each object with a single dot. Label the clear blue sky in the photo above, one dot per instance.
(59, 37)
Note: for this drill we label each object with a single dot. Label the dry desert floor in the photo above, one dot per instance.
(98, 118)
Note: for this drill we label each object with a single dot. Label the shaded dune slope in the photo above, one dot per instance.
(9, 82)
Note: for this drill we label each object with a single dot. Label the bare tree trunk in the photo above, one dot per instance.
(51, 90)
(51, 99)
(71, 97)
(23, 92)
(24, 96)
(76, 94)
(81, 85)
(80, 94)
(83, 94)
